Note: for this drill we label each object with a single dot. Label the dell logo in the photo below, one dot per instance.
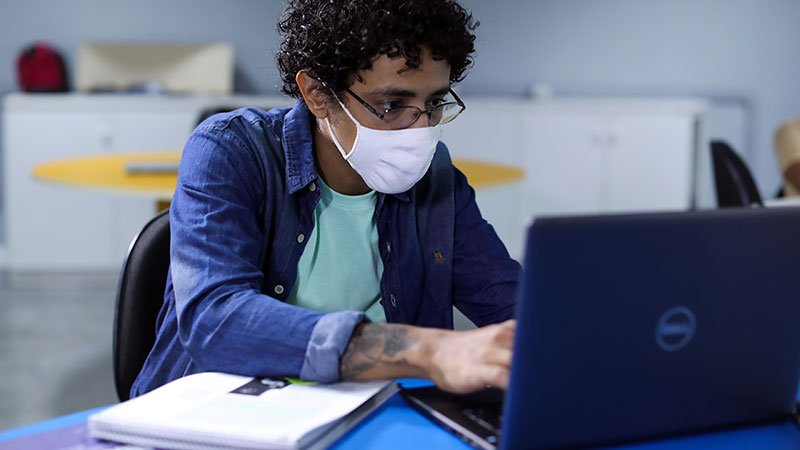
(675, 328)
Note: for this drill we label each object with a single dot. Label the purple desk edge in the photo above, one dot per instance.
(397, 425)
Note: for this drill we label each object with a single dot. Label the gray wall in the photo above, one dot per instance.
(741, 52)
(248, 24)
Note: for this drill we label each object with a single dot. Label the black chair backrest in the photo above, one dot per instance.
(734, 182)
(140, 294)
(208, 112)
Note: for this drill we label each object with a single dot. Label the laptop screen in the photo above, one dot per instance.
(635, 326)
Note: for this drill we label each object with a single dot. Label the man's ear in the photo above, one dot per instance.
(314, 94)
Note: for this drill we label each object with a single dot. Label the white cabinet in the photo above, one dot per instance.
(49, 226)
(52, 227)
(650, 163)
(579, 155)
(563, 157)
(584, 156)
(598, 163)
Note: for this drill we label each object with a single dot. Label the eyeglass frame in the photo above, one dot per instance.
(427, 112)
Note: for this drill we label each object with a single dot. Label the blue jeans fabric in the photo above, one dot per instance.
(247, 189)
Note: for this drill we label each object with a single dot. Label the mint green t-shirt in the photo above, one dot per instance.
(340, 268)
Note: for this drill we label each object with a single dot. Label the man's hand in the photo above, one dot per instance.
(466, 361)
(457, 361)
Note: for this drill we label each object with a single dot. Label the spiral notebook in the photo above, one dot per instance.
(222, 411)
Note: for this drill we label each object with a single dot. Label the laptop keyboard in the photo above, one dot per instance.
(475, 418)
(489, 417)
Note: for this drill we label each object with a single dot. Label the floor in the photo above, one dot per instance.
(55, 345)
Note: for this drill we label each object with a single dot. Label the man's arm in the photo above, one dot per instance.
(484, 275)
(457, 361)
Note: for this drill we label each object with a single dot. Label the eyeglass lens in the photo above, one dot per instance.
(405, 116)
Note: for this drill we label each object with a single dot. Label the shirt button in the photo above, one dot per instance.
(300, 238)
(393, 300)
(279, 289)
(312, 187)
(388, 247)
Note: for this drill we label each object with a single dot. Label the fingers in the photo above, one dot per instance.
(499, 357)
(497, 354)
(503, 333)
(496, 376)
(510, 323)
(470, 360)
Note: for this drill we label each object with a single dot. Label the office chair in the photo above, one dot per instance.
(208, 112)
(140, 294)
(734, 182)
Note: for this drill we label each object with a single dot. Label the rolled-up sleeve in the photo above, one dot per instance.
(328, 342)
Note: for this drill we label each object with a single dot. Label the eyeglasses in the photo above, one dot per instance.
(400, 117)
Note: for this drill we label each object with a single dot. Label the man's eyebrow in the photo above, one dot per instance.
(390, 91)
(441, 91)
(400, 92)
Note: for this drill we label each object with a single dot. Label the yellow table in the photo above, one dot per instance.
(107, 172)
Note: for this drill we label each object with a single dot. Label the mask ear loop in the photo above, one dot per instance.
(336, 141)
(346, 111)
(345, 155)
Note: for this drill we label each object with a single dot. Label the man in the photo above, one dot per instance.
(297, 234)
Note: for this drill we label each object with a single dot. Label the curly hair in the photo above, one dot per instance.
(334, 39)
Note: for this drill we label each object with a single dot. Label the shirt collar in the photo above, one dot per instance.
(298, 145)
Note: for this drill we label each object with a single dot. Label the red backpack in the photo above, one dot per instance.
(41, 69)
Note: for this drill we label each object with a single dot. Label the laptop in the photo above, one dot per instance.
(641, 326)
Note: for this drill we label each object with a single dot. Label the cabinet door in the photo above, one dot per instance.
(485, 131)
(650, 159)
(564, 154)
(53, 227)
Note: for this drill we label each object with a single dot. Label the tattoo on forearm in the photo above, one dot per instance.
(372, 346)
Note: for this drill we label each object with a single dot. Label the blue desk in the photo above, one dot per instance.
(397, 425)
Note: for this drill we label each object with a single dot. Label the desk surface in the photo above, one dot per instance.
(780, 202)
(107, 172)
(397, 425)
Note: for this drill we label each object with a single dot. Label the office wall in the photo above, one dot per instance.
(742, 52)
(248, 24)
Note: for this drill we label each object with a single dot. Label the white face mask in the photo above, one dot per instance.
(390, 161)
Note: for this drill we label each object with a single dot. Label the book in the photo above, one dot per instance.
(222, 411)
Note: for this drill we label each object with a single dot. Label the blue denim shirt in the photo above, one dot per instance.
(247, 189)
